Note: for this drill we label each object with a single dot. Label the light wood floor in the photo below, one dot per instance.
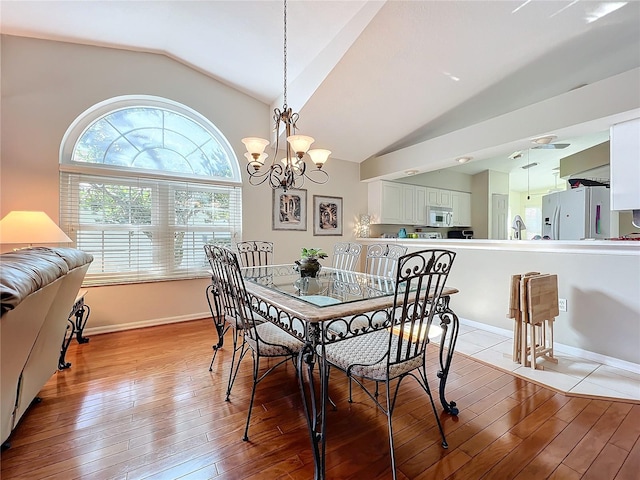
(143, 404)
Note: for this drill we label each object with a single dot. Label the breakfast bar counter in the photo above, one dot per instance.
(600, 280)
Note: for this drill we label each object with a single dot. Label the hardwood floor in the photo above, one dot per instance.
(143, 404)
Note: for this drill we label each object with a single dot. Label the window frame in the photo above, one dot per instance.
(72, 173)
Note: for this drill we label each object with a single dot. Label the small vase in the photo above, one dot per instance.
(308, 267)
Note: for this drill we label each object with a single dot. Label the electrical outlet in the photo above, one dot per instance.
(562, 304)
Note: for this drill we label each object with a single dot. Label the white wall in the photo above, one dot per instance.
(46, 85)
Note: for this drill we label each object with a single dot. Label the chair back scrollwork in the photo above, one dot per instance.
(255, 253)
(420, 281)
(382, 259)
(346, 255)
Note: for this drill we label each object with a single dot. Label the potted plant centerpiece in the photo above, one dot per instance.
(308, 265)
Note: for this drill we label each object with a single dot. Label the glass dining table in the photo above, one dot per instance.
(335, 305)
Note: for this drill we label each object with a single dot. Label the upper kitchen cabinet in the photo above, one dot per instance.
(461, 203)
(437, 197)
(397, 203)
(625, 165)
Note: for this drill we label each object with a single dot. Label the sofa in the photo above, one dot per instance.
(38, 287)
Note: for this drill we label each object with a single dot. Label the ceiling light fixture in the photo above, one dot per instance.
(464, 159)
(411, 172)
(544, 143)
(292, 171)
(546, 140)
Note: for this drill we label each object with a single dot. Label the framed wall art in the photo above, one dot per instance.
(289, 210)
(327, 215)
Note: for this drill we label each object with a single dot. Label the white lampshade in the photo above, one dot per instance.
(255, 146)
(300, 143)
(19, 227)
(319, 156)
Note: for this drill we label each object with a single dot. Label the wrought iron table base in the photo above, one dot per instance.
(316, 419)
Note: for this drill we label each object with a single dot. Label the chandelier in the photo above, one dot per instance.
(291, 171)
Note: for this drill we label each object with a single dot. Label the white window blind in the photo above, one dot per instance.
(145, 183)
(141, 229)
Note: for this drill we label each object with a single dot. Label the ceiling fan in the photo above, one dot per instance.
(544, 143)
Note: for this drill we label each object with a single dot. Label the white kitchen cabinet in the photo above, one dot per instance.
(397, 203)
(386, 202)
(625, 165)
(421, 206)
(461, 204)
(414, 211)
(437, 197)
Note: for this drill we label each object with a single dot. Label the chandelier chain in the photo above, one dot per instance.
(285, 53)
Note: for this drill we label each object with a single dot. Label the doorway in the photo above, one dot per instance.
(499, 216)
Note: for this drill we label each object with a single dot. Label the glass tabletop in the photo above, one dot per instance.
(330, 287)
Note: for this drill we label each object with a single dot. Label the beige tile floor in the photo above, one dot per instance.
(571, 375)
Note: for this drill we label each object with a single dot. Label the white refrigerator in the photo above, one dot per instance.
(575, 214)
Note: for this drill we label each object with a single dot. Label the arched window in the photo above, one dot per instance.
(144, 183)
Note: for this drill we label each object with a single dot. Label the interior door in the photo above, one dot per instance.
(499, 216)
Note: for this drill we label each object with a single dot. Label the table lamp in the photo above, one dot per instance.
(20, 227)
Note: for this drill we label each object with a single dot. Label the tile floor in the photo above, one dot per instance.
(572, 375)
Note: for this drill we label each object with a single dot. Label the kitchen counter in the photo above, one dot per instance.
(611, 247)
(600, 279)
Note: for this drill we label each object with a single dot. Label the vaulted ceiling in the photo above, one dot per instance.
(367, 77)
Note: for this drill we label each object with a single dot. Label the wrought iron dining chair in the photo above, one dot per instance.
(255, 253)
(213, 299)
(263, 339)
(382, 259)
(346, 255)
(397, 351)
(252, 253)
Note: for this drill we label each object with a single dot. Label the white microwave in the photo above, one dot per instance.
(439, 216)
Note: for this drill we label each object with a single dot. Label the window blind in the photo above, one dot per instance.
(147, 229)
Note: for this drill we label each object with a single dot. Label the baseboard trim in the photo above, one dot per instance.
(561, 348)
(145, 323)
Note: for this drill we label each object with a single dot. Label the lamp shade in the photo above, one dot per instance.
(30, 227)
(255, 146)
(300, 143)
(319, 156)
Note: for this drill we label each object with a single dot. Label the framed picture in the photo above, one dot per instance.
(327, 215)
(289, 210)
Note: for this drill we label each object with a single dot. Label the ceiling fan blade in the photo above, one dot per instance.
(552, 146)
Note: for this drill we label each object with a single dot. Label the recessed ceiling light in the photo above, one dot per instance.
(411, 172)
(464, 159)
(546, 140)
(515, 155)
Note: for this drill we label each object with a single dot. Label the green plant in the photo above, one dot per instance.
(312, 253)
